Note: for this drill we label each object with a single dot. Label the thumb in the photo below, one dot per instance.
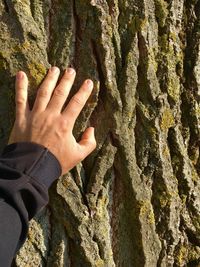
(88, 141)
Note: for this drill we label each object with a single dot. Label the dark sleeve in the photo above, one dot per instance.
(26, 172)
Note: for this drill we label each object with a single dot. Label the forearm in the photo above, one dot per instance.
(10, 231)
(26, 172)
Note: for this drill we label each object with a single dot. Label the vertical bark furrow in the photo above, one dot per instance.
(59, 27)
(191, 74)
(6, 6)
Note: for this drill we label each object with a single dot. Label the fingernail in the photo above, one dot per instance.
(89, 83)
(20, 75)
(54, 69)
(70, 70)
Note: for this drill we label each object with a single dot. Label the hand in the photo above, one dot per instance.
(46, 124)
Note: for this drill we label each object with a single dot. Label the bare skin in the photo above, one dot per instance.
(46, 124)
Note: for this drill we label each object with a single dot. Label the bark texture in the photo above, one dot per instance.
(135, 201)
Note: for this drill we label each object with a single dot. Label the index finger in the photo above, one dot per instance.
(78, 101)
(21, 94)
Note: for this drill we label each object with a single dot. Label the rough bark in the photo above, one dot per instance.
(135, 201)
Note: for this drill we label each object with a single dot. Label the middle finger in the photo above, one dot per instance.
(62, 90)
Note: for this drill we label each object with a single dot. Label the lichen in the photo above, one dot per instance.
(146, 211)
(194, 253)
(163, 199)
(161, 11)
(99, 263)
(37, 71)
(167, 119)
(181, 255)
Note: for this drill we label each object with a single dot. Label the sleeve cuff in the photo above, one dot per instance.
(34, 160)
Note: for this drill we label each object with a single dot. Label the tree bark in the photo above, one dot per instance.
(135, 201)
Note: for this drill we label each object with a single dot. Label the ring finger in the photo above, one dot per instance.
(46, 88)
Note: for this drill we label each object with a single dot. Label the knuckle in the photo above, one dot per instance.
(43, 92)
(77, 100)
(64, 126)
(34, 122)
(43, 122)
(20, 123)
(20, 88)
(48, 121)
(20, 100)
(59, 92)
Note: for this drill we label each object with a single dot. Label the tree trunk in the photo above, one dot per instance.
(135, 201)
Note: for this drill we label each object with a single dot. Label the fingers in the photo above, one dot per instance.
(78, 101)
(21, 94)
(62, 90)
(46, 88)
(88, 142)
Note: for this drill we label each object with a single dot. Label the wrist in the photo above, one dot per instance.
(34, 160)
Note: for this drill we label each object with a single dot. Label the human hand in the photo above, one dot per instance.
(46, 124)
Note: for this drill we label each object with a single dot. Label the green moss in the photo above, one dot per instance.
(173, 37)
(161, 11)
(163, 41)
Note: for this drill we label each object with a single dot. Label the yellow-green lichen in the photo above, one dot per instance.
(194, 253)
(37, 71)
(174, 88)
(181, 255)
(165, 151)
(164, 199)
(195, 176)
(18, 47)
(163, 42)
(184, 198)
(146, 211)
(167, 119)
(171, 57)
(99, 263)
(101, 209)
